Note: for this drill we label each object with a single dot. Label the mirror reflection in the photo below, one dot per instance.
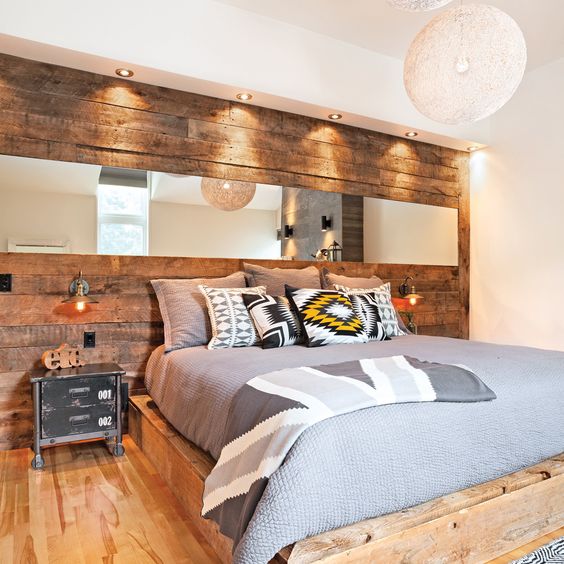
(60, 207)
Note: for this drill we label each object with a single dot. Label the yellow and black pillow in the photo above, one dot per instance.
(327, 317)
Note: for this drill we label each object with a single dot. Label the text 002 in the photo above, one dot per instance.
(105, 421)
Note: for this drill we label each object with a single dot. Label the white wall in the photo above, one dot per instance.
(517, 214)
(174, 230)
(43, 215)
(407, 233)
(202, 231)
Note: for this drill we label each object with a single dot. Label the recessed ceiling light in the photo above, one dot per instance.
(245, 96)
(473, 148)
(335, 116)
(411, 134)
(124, 73)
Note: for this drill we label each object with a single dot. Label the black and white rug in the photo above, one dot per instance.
(552, 553)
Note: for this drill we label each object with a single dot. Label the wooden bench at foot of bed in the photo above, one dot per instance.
(472, 525)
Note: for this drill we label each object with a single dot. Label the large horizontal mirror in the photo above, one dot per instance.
(60, 207)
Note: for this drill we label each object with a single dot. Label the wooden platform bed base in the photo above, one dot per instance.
(472, 525)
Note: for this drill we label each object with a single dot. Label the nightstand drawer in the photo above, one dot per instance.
(77, 392)
(76, 420)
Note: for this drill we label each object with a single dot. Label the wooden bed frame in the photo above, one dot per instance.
(472, 525)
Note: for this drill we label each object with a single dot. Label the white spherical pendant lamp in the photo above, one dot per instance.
(418, 5)
(465, 64)
(227, 195)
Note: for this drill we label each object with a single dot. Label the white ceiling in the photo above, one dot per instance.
(213, 48)
(375, 25)
(38, 175)
(178, 189)
(57, 177)
(311, 57)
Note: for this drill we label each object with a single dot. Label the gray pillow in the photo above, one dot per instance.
(183, 309)
(275, 278)
(329, 280)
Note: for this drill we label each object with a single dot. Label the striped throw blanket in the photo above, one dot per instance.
(270, 412)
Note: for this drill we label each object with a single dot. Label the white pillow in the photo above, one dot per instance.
(231, 323)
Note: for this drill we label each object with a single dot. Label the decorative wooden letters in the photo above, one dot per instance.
(62, 357)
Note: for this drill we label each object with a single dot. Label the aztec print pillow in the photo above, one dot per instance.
(366, 307)
(275, 322)
(383, 295)
(231, 324)
(327, 317)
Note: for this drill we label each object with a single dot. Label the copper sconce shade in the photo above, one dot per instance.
(78, 290)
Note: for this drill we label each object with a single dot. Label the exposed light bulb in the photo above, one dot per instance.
(412, 301)
(462, 64)
(226, 185)
(80, 306)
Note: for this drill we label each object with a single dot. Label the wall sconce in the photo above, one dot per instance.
(326, 223)
(288, 231)
(78, 290)
(409, 293)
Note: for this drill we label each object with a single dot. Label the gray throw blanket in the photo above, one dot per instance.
(271, 411)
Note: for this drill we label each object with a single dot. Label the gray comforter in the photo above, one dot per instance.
(378, 460)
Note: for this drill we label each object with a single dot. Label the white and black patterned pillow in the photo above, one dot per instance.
(327, 317)
(383, 296)
(231, 323)
(366, 307)
(275, 322)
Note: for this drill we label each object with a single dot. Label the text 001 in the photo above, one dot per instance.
(105, 394)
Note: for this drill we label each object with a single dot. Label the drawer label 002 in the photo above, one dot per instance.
(104, 421)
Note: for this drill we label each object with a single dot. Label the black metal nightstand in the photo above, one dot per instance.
(76, 404)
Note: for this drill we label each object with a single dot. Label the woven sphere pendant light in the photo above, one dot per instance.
(418, 5)
(465, 64)
(227, 195)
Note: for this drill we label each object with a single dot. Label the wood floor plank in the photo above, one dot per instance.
(528, 548)
(87, 506)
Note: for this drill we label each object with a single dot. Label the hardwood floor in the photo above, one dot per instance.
(88, 506)
(528, 548)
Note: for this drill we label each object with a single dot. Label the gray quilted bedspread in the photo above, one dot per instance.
(377, 460)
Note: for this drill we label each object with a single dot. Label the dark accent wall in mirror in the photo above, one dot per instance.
(62, 207)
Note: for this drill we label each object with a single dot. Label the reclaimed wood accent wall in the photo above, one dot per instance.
(127, 320)
(58, 113)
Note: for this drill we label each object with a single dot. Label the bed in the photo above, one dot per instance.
(376, 461)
